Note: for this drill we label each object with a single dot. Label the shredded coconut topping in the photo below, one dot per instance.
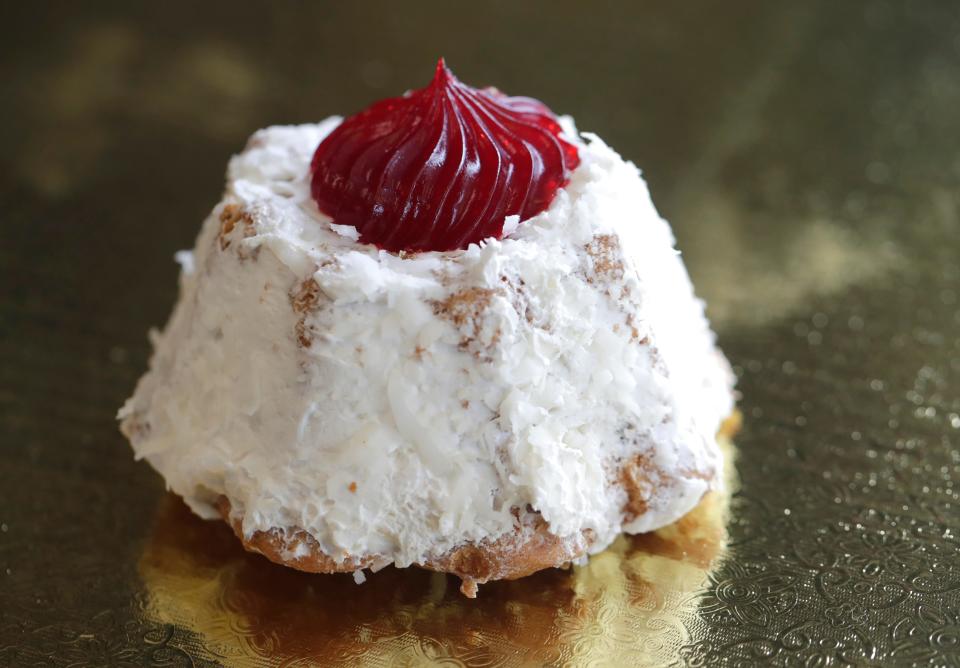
(400, 405)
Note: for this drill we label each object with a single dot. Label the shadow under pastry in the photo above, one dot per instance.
(631, 603)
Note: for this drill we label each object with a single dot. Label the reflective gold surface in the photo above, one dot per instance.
(806, 155)
(632, 603)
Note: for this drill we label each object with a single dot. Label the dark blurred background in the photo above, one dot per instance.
(763, 119)
(806, 153)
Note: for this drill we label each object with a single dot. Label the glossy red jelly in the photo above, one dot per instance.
(441, 167)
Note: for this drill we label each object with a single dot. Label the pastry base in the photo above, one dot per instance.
(530, 548)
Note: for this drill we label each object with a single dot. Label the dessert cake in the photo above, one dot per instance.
(449, 331)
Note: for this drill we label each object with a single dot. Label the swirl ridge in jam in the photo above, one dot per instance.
(441, 167)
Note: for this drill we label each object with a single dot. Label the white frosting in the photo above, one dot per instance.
(402, 431)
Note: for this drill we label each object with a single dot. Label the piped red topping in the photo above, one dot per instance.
(441, 167)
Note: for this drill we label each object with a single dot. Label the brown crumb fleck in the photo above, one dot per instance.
(604, 250)
(419, 351)
(465, 310)
(634, 332)
(464, 403)
(306, 297)
(304, 301)
(638, 477)
(464, 306)
(230, 215)
(352, 487)
(523, 304)
(303, 335)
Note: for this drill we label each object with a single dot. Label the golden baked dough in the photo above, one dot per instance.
(530, 548)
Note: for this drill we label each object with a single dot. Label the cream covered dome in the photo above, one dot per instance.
(353, 407)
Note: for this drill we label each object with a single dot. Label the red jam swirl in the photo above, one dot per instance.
(441, 167)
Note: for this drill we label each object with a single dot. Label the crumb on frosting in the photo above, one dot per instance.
(304, 301)
(606, 257)
(465, 306)
(465, 309)
(639, 478)
(230, 215)
(606, 270)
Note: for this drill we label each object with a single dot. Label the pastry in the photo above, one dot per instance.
(449, 331)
